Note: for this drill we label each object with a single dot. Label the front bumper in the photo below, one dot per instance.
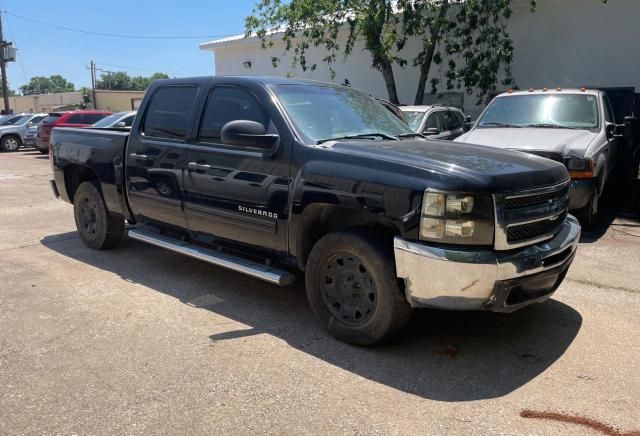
(484, 279)
(581, 193)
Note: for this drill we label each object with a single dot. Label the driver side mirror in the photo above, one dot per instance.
(121, 124)
(245, 133)
(431, 131)
(611, 130)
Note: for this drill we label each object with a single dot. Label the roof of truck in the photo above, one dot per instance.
(557, 91)
(266, 80)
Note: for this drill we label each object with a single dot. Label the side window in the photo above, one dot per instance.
(75, 119)
(458, 119)
(229, 104)
(36, 120)
(128, 122)
(435, 121)
(168, 112)
(608, 111)
(451, 123)
(92, 118)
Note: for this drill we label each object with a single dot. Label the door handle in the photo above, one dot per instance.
(197, 166)
(138, 156)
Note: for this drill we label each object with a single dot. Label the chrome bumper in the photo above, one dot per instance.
(484, 279)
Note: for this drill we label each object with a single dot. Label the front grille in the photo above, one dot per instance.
(534, 200)
(530, 217)
(524, 232)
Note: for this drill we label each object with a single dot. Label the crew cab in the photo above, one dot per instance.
(573, 126)
(270, 176)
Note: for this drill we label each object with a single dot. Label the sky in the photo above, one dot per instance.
(44, 50)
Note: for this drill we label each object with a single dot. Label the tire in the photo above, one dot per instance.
(10, 143)
(98, 228)
(353, 290)
(588, 219)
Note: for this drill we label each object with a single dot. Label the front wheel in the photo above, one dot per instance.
(98, 228)
(10, 143)
(588, 215)
(353, 290)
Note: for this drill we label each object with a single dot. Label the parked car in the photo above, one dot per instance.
(30, 136)
(14, 129)
(575, 127)
(266, 176)
(82, 118)
(116, 120)
(436, 121)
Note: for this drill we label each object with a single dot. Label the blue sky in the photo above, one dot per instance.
(44, 51)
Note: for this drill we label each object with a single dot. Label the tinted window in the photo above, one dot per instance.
(92, 118)
(457, 120)
(16, 121)
(108, 121)
(128, 122)
(36, 120)
(75, 119)
(51, 118)
(229, 104)
(168, 112)
(435, 121)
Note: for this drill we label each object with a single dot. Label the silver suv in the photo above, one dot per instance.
(437, 121)
(13, 130)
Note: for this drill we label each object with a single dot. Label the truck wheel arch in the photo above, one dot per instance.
(74, 175)
(318, 220)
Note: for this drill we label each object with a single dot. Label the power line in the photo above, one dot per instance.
(143, 70)
(114, 35)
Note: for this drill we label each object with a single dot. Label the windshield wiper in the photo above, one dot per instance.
(411, 135)
(550, 126)
(372, 135)
(495, 124)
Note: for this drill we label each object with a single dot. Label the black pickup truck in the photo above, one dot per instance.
(270, 176)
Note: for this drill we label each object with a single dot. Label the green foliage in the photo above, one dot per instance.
(121, 81)
(466, 40)
(47, 85)
(87, 98)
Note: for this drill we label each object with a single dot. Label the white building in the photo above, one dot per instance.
(566, 43)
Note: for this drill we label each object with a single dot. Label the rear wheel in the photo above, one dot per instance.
(353, 290)
(10, 143)
(98, 228)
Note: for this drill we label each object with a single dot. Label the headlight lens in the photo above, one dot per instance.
(580, 168)
(457, 218)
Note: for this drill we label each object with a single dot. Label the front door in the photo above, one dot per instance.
(435, 126)
(234, 192)
(156, 156)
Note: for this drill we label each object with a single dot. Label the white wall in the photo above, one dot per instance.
(565, 43)
(577, 43)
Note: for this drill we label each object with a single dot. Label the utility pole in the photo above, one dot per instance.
(93, 83)
(3, 69)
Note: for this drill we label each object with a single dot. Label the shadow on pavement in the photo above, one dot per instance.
(444, 356)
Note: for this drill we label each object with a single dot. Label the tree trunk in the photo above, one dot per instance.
(425, 68)
(390, 81)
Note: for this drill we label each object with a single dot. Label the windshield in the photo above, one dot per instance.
(16, 121)
(108, 121)
(568, 111)
(325, 112)
(414, 119)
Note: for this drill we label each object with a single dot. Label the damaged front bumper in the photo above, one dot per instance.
(484, 279)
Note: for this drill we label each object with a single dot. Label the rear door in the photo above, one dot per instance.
(234, 192)
(455, 122)
(156, 153)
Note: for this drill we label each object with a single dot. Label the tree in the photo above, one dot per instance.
(466, 39)
(47, 85)
(121, 81)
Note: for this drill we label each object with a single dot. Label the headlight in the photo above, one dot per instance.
(580, 168)
(457, 218)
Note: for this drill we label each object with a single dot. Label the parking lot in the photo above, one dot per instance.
(141, 340)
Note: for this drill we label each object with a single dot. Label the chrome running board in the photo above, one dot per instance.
(218, 258)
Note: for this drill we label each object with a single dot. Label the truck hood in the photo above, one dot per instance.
(564, 141)
(453, 166)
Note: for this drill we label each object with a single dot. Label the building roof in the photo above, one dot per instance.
(232, 40)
